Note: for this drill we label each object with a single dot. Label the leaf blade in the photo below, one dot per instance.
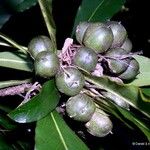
(98, 10)
(53, 132)
(137, 121)
(4, 84)
(143, 78)
(129, 94)
(145, 94)
(39, 106)
(16, 60)
(46, 9)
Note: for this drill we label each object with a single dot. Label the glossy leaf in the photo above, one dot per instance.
(142, 79)
(97, 10)
(6, 123)
(16, 60)
(137, 121)
(129, 94)
(4, 84)
(109, 108)
(53, 133)
(145, 94)
(13, 43)
(123, 114)
(146, 90)
(39, 106)
(46, 9)
(20, 5)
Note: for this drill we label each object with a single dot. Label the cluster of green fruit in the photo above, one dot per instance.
(110, 42)
(82, 108)
(70, 81)
(46, 62)
(104, 44)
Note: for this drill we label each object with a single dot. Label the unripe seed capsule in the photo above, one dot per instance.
(69, 81)
(99, 125)
(80, 31)
(46, 64)
(85, 58)
(119, 33)
(131, 72)
(98, 37)
(127, 45)
(80, 107)
(39, 44)
(117, 60)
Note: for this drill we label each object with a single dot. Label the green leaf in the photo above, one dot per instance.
(145, 94)
(129, 94)
(4, 15)
(6, 123)
(16, 60)
(46, 9)
(123, 114)
(12, 43)
(137, 121)
(20, 5)
(146, 90)
(39, 106)
(142, 79)
(4, 84)
(97, 10)
(53, 133)
(111, 109)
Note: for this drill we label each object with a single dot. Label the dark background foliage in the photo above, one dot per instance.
(23, 26)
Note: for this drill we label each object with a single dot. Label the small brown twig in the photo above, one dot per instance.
(28, 89)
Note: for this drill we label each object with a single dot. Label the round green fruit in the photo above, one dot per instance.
(98, 37)
(127, 45)
(116, 53)
(115, 63)
(131, 72)
(117, 66)
(80, 31)
(119, 33)
(80, 107)
(99, 125)
(86, 59)
(70, 81)
(46, 64)
(39, 44)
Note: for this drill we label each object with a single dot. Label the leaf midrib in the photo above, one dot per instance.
(59, 132)
(11, 60)
(94, 12)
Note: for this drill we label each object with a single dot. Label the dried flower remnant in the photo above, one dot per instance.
(28, 89)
